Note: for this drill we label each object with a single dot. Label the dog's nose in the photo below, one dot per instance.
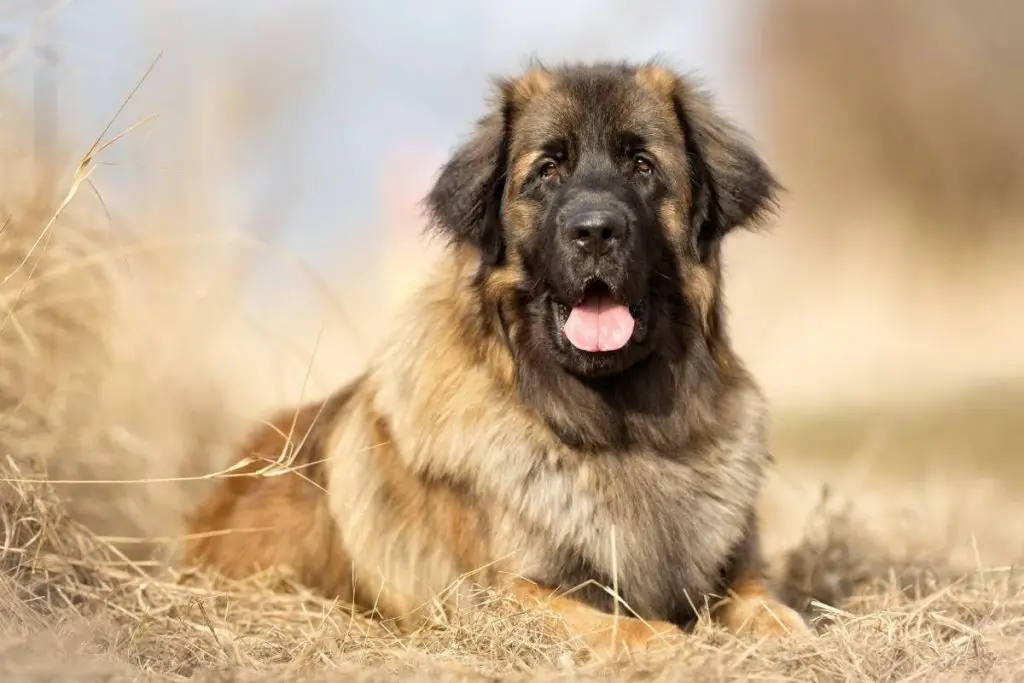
(595, 232)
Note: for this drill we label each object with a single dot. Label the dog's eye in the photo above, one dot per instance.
(643, 166)
(548, 170)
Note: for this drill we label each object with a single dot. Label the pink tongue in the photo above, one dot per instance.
(599, 324)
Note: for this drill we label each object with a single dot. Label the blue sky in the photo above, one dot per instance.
(375, 75)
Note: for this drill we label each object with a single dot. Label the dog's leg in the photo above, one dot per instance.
(607, 634)
(752, 607)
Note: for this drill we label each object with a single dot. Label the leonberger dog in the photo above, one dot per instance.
(559, 411)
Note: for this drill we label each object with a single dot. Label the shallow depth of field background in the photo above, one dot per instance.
(256, 226)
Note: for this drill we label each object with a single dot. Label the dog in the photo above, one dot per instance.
(559, 409)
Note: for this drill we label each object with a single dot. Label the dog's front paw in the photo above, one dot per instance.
(752, 609)
(765, 618)
(633, 636)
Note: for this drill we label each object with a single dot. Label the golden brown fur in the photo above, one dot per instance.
(466, 453)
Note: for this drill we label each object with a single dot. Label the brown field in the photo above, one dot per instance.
(129, 362)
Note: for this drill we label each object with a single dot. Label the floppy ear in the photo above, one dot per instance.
(731, 184)
(465, 203)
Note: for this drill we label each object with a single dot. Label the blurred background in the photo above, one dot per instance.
(284, 147)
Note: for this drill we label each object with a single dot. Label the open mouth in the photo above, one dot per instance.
(597, 322)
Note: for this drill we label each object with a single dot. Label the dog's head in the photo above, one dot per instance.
(597, 196)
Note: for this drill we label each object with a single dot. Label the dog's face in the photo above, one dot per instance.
(599, 195)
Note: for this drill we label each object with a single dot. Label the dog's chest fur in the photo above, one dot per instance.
(660, 526)
(662, 532)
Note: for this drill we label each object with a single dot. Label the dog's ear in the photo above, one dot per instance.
(731, 185)
(464, 204)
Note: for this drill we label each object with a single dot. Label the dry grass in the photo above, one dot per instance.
(111, 370)
(72, 605)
